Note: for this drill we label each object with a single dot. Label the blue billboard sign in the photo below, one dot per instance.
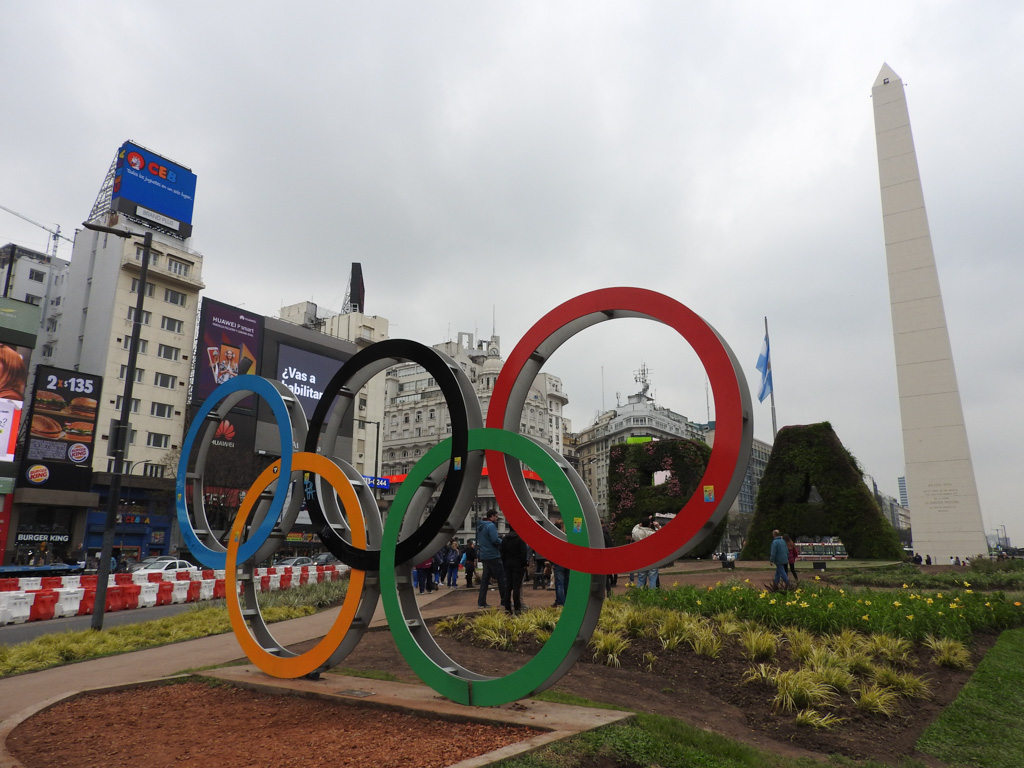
(153, 188)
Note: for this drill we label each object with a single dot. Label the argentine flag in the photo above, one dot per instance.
(764, 365)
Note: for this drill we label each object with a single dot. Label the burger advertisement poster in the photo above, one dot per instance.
(61, 433)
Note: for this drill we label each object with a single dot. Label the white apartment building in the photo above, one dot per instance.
(417, 418)
(36, 278)
(96, 329)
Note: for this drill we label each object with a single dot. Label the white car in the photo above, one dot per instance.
(169, 568)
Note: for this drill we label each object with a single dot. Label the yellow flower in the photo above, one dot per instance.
(735, 588)
(746, 581)
(803, 604)
(699, 602)
(929, 601)
(675, 584)
(905, 586)
(910, 616)
(831, 605)
(772, 602)
(842, 591)
(967, 584)
(817, 578)
(867, 602)
(987, 605)
(939, 595)
(865, 617)
(1017, 603)
(897, 603)
(970, 591)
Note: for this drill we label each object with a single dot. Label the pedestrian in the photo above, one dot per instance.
(612, 578)
(488, 545)
(792, 553)
(779, 557)
(561, 576)
(424, 575)
(514, 557)
(927, 559)
(469, 558)
(643, 529)
(453, 564)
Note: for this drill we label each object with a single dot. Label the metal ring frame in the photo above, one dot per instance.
(346, 517)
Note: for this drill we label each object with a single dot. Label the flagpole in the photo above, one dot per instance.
(775, 427)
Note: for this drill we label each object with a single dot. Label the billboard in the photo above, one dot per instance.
(61, 428)
(19, 323)
(151, 187)
(229, 344)
(305, 374)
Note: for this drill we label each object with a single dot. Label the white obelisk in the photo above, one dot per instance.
(944, 511)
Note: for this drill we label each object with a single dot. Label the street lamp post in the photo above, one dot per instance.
(121, 430)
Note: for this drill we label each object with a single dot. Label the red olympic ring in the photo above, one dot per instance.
(539, 343)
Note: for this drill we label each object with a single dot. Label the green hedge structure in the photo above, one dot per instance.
(812, 455)
(632, 496)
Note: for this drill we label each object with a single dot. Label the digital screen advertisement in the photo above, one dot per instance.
(14, 361)
(305, 374)
(61, 430)
(151, 187)
(229, 342)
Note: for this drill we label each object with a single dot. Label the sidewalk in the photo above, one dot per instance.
(35, 688)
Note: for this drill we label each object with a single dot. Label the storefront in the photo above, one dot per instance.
(137, 534)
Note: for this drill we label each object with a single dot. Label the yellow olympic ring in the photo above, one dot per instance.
(315, 658)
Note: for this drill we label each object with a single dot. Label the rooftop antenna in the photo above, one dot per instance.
(641, 377)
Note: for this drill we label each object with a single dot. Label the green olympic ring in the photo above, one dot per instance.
(583, 600)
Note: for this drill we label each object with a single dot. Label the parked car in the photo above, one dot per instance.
(326, 558)
(148, 562)
(168, 567)
(291, 562)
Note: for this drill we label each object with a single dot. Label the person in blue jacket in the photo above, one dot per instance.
(779, 557)
(488, 547)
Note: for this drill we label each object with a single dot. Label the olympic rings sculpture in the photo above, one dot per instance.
(381, 554)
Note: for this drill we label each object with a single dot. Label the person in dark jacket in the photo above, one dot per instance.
(514, 557)
(469, 558)
(488, 546)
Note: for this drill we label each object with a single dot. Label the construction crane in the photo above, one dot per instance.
(55, 234)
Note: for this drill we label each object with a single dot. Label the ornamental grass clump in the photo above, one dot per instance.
(608, 647)
(800, 689)
(815, 719)
(892, 650)
(906, 684)
(948, 653)
(801, 642)
(877, 700)
(758, 644)
(705, 641)
(674, 629)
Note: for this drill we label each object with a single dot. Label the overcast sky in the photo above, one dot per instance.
(487, 161)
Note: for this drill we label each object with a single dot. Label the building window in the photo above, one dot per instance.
(150, 288)
(154, 257)
(170, 324)
(178, 267)
(146, 315)
(139, 373)
(120, 402)
(51, 324)
(154, 470)
(174, 297)
(36, 275)
(34, 300)
(168, 353)
(48, 350)
(143, 344)
(158, 440)
(161, 410)
(164, 380)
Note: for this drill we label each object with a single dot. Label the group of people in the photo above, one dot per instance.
(443, 568)
(783, 556)
(505, 560)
